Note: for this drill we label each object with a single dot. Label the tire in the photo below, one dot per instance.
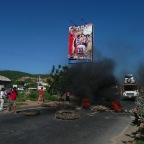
(31, 113)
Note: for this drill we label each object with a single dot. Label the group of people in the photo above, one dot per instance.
(11, 95)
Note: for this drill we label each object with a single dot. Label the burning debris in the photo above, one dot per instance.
(85, 104)
(117, 107)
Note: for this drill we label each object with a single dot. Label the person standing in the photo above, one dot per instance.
(12, 100)
(40, 97)
(67, 96)
(2, 96)
(8, 94)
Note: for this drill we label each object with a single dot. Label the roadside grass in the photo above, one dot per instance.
(33, 96)
(21, 103)
(140, 142)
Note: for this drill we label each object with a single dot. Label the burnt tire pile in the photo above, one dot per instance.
(66, 115)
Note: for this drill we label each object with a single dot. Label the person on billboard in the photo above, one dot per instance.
(72, 40)
(82, 45)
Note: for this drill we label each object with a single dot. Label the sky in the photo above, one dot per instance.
(34, 33)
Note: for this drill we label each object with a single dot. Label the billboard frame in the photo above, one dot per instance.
(81, 44)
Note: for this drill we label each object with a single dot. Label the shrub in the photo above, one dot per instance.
(140, 142)
(21, 96)
(52, 97)
(33, 96)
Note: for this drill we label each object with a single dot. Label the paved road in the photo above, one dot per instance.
(91, 128)
(128, 104)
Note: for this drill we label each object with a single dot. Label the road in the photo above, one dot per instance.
(91, 128)
(128, 104)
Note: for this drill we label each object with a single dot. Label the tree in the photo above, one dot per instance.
(58, 81)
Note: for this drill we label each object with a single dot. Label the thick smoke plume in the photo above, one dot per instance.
(93, 80)
(140, 73)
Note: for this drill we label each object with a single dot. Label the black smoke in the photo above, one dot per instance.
(140, 73)
(92, 80)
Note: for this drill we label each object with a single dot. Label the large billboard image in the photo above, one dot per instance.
(80, 44)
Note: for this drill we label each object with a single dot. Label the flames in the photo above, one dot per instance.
(116, 106)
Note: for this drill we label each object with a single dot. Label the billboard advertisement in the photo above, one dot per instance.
(80, 44)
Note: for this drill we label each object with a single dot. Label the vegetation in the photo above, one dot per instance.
(140, 142)
(58, 82)
(14, 75)
(33, 96)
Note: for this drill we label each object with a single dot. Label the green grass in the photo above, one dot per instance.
(33, 96)
(140, 142)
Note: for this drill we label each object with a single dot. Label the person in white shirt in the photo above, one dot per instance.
(2, 96)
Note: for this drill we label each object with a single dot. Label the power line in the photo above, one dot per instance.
(73, 23)
(84, 21)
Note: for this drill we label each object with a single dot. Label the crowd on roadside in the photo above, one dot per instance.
(10, 95)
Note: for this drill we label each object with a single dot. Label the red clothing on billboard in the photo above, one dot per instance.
(71, 43)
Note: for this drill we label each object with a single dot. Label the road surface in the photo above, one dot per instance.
(91, 128)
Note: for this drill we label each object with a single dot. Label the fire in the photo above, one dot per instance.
(85, 103)
(116, 106)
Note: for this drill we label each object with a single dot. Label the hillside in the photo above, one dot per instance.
(14, 75)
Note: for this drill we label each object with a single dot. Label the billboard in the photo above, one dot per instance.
(80, 44)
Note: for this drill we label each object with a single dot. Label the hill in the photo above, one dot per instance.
(14, 75)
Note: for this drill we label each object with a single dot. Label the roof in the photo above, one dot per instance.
(2, 78)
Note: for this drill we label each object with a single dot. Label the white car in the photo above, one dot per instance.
(21, 89)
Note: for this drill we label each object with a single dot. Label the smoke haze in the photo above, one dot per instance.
(93, 80)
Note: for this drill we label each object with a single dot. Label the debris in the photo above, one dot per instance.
(66, 115)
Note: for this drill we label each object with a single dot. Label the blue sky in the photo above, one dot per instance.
(34, 33)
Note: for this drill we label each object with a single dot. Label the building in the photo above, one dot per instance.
(4, 81)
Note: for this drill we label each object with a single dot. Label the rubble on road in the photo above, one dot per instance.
(99, 108)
